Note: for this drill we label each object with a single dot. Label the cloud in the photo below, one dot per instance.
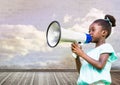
(77, 19)
(21, 40)
(83, 24)
(92, 15)
(67, 18)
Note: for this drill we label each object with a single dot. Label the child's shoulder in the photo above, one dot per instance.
(106, 46)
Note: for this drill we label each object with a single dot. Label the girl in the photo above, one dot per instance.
(95, 68)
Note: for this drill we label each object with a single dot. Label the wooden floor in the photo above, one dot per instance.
(46, 78)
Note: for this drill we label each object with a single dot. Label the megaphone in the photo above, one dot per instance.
(55, 34)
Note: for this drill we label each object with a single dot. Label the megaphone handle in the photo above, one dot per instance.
(74, 55)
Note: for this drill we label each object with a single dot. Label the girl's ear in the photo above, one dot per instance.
(104, 33)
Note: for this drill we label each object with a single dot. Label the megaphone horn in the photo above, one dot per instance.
(55, 34)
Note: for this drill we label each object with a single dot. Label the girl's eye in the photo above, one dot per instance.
(91, 30)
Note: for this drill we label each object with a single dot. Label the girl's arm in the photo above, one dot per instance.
(78, 64)
(96, 63)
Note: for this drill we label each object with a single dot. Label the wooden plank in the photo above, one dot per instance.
(32, 79)
(16, 78)
(115, 78)
(5, 78)
(57, 79)
(10, 79)
(36, 79)
(63, 78)
(71, 78)
(3, 74)
(27, 79)
(46, 78)
(21, 78)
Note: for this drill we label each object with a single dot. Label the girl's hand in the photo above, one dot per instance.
(77, 49)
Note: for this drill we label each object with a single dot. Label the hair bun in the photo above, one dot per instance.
(111, 20)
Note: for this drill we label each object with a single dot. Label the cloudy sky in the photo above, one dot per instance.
(23, 25)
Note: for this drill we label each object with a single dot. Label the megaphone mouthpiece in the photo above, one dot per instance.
(88, 38)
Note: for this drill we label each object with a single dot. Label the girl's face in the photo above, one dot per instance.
(96, 32)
